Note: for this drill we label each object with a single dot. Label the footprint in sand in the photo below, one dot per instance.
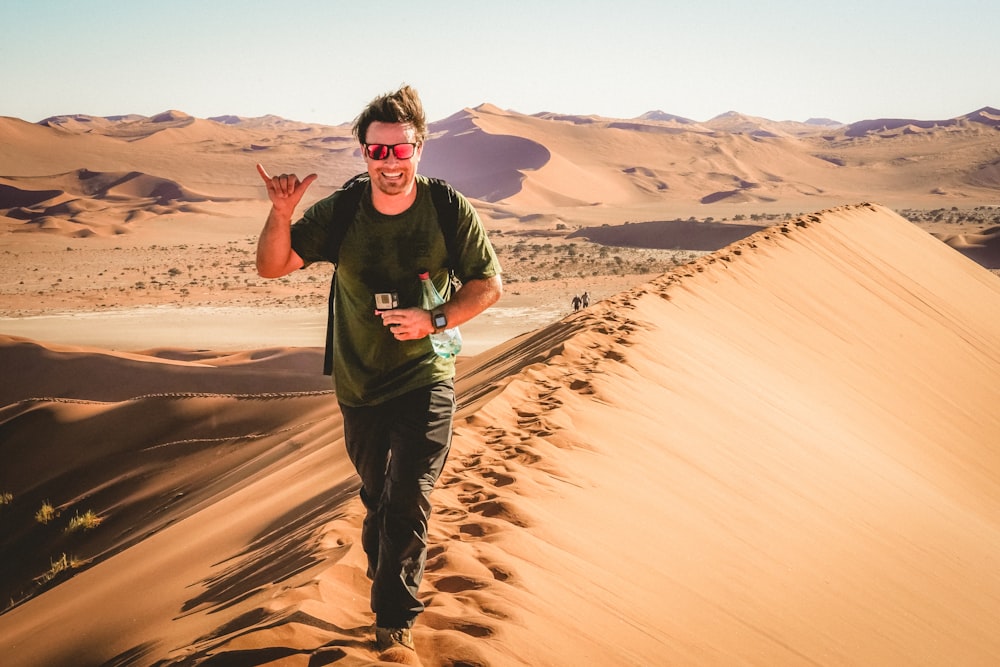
(497, 478)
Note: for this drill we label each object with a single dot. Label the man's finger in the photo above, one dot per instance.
(308, 180)
(263, 173)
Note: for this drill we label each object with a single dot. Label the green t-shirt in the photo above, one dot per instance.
(385, 253)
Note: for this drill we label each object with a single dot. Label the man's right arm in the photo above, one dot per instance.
(275, 257)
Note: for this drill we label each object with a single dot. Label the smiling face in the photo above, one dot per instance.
(393, 180)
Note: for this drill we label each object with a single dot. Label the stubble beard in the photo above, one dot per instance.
(394, 186)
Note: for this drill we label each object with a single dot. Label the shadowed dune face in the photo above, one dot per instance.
(12, 197)
(982, 248)
(146, 437)
(780, 453)
(456, 154)
(669, 234)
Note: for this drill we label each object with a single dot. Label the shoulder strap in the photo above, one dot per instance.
(445, 200)
(345, 207)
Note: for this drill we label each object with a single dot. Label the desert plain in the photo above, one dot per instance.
(771, 439)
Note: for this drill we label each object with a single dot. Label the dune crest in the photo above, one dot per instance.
(780, 453)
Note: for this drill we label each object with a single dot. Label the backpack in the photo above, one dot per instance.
(445, 200)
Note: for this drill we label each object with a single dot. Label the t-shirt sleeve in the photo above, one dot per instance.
(310, 233)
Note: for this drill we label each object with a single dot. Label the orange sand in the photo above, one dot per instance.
(781, 454)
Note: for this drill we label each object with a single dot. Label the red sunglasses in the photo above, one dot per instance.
(381, 151)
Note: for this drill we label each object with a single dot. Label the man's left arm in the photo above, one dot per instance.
(472, 298)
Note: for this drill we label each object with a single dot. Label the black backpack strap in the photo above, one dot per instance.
(445, 200)
(328, 351)
(345, 207)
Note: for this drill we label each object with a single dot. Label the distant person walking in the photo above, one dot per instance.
(585, 300)
(577, 301)
(396, 395)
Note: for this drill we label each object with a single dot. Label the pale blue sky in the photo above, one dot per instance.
(322, 60)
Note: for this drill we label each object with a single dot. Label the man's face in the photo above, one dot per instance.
(392, 176)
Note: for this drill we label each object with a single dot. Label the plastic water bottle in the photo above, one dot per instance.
(446, 343)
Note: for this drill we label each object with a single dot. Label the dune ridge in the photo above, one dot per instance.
(781, 453)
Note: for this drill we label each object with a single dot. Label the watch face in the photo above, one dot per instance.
(440, 320)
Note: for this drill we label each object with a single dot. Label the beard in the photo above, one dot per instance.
(395, 185)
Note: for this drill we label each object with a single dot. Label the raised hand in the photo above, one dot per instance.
(285, 191)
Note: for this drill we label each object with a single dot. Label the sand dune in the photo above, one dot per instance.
(982, 248)
(782, 453)
(457, 143)
(590, 169)
(62, 371)
(84, 203)
(987, 117)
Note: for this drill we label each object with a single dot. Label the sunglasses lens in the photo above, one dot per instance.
(381, 151)
(403, 151)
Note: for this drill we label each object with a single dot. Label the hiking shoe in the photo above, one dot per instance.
(388, 637)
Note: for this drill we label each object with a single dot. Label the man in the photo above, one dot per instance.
(397, 397)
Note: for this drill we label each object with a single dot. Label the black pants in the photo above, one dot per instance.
(399, 449)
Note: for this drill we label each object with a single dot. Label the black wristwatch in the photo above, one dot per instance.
(439, 321)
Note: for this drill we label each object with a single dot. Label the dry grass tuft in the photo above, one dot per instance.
(46, 513)
(86, 521)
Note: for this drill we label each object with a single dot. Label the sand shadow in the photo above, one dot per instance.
(285, 548)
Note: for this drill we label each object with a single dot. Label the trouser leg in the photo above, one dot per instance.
(399, 449)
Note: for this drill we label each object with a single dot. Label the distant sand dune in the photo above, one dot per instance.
(454, 158)
(782, 453)
(983, 248)
(577, 166)
(89, 201)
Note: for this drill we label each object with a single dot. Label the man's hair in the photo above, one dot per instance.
(402, 106)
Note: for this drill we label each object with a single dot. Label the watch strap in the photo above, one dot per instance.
(438, 321)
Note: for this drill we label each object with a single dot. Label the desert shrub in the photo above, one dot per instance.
(46, 513)
(87, 521)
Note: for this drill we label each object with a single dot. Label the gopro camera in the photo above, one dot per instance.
(386, 300)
